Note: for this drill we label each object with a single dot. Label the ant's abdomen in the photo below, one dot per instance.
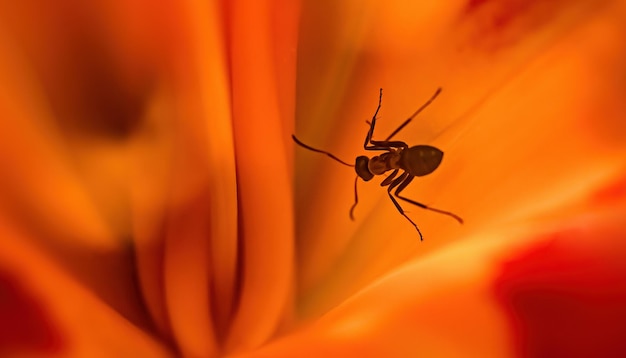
(421, 160)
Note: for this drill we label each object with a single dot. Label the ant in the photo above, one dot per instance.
(413, 161)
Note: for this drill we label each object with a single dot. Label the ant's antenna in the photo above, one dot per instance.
(319, 151)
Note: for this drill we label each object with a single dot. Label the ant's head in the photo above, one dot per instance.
(362, 169)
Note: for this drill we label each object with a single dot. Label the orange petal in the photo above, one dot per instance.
(58, 316)
(555, 288)
(528, 121)
(261, 51)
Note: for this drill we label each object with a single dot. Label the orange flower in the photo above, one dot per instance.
(146, 179)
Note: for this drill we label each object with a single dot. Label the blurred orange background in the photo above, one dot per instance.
(152, 202)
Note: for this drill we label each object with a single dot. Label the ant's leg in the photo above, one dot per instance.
(395, 183)
(370, 132)
(356, 199)
(379, 145)
(405, 184)
(414, 114)
(388, 179)
(386, 144)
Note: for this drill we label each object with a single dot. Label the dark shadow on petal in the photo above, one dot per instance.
(25, 326)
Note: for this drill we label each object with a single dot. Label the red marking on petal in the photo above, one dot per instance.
(474, 4)
(24, 326)
(494, 25)
(499, 13)
(505, 9)
(565, 302)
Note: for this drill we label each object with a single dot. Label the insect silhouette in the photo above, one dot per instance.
(410, 162)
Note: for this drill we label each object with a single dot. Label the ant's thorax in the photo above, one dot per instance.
(387, 161)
